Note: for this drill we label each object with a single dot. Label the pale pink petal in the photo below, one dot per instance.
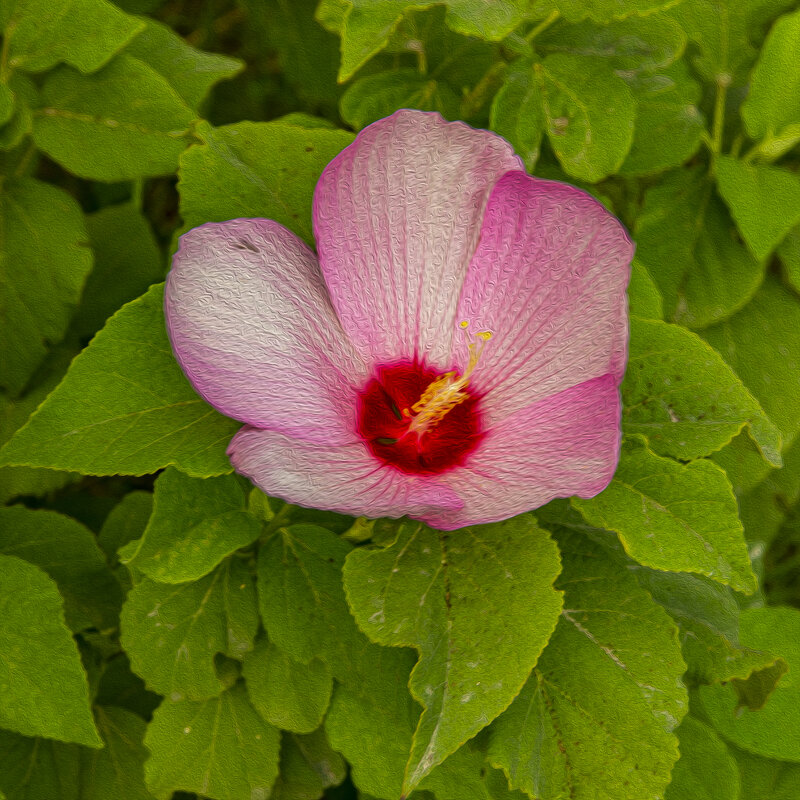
(548, 280)
(344, 478)
(564, 445)
(252, 327)
(397, 216)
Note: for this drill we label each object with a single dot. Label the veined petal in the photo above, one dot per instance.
(564, 445)
(397, 216)
(253, 328)
(343, 478)
(548, 280)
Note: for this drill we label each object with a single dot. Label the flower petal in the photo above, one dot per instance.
(252, 327)
(564, 445)
(548, 280)
(343, 478)
(397, 216)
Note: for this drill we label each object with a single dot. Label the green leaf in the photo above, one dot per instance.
(594, 719)
(669, 126)
(125, 407)
(38, 769)
(644, 299)
(126, 522)
(118, 769)
(766, 779)
(195, 524)
(256, 169)
(687, 241)
(7, 103)
(589, 114)
(681, 395)
(302, 600)
(477, 642)
(68, 553)
(754, 690)
(789, 254)
(764, 201)
(772, 108)
(705, 768)
(287, 693)
(35, 643)
(606, 11)
(674, 517)
(172, 633)
(44, 261)
(375, 96)
(21, 122)
(121, 123)
(127, 260)
(774, 730)
(83, 33)
(308, 766)
(219, 748)
(517, 113)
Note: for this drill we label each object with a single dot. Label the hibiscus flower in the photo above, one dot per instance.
(452, 352)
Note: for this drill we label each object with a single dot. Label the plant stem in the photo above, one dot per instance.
(719, 120)
(542, 26)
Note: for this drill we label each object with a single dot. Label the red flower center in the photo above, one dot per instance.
(417, 420)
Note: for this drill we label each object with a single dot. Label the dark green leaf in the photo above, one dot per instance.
(38, 769)
(765, 779)
(789, 253)
(125, 523)
(21, 122)
(308, 766)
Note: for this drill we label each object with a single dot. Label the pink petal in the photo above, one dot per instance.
(548, 280)
(252, 327)
(344, 478)
(564, 445)
(397, 216)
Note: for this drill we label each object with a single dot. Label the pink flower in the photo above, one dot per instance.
(454, 351)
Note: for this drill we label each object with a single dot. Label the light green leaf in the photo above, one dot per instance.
(256, 169)
(375, 96)
(68, 553)
(219, 748)
(477, 641)
(681, 395)
(764, 201)
(705, 768)
(598, 705)
(83, 33)
(287, 693)
(125, 407)
(766, 779)
(774, 730)
(589, 114)
(687, 241)
(38, 769)
(127, 261)
(44, 261)
(190, 72)
(195, 524)
(38, 654)
(606, 11)
(674, 517)
(121, 123)
(302, 600)
(308, 766)
(644, 299)
(118, 769)
(126, 522)
(789, 254)
(772, 108)
(172, 633)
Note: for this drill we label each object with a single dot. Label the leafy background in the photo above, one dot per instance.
(167, 630)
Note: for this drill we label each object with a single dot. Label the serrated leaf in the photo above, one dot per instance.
(38, 769)
(68, 553)
(44, 261)
(674, 517)
(83, 33)
(256, 169)
(172, 633)
(774, 730)
(589, 114)
(121, 123)
(687, 241)
(764, 201)
(308, 766)
(125, 407)
(288, 694)
(681, 395)
(477, 641)
(753, 691)
(598, 706)
(705, 768)
(35, 643)
(219, 748)
(194, 525)
(375, 96)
